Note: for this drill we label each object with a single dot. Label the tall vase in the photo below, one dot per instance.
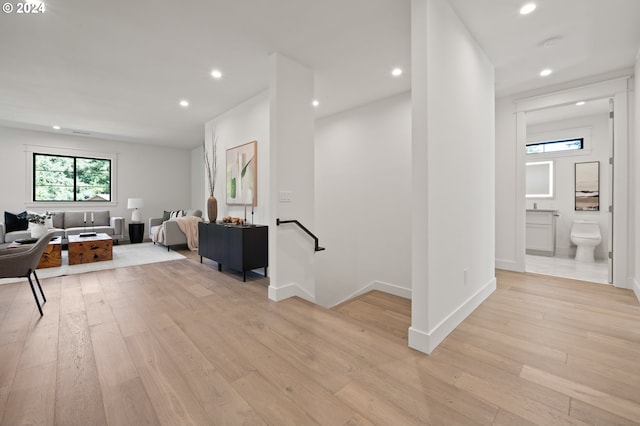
(212, 209)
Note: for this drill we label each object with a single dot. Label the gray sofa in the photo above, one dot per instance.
(72, 223)
(173, 236)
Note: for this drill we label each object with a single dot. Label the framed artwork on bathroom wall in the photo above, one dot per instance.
(587, 186)
(242, 174)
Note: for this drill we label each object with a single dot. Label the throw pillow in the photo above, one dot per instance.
(176, 213)
(15, 222)
(168, 215)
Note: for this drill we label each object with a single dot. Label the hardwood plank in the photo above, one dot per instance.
(172, 399)
(271, 403)
(77, 382)
(596, 416)
(375, 409)
(219, 399)
(32, 397)
(608, 402)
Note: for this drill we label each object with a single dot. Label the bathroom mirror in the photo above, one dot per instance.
(588, 186)
(539, 179)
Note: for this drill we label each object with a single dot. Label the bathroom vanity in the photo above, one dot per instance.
(541, 232)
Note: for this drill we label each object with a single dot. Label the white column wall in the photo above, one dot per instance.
(453, 132)
(635, 185)
(291, 127)
(363, 199)
(506, 185)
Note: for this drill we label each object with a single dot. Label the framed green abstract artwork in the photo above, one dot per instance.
(242, 174)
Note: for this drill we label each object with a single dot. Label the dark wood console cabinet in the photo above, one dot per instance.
(242, 248)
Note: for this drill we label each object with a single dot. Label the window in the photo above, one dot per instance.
(67, 178)
(555, 146)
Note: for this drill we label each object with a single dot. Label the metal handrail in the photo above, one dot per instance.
(317, 247)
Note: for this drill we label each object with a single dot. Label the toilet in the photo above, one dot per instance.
(586, 235)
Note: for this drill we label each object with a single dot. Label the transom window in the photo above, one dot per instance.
(70, 178)
(555, 146)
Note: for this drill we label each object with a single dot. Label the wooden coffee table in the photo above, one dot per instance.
(52, 255)
(90, 249)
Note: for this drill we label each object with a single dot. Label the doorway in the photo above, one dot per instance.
(561, 142)
(617, 91)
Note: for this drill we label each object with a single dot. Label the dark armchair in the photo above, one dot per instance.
(22, 263)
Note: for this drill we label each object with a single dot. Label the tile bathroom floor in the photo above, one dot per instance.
(566, 267)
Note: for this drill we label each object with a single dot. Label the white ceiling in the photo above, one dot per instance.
(117, 69)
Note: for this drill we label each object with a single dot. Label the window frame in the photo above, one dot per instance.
(75, 159)
(30, 150)
(558, 141)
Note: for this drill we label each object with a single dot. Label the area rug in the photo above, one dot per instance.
(123, 255)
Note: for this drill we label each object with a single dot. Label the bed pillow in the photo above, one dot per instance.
(15, 222)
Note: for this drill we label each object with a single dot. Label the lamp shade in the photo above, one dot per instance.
(135, 203)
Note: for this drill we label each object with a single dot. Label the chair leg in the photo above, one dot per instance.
(40, 287)
(35, 296)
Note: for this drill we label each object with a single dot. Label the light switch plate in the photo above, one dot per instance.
(285, 196)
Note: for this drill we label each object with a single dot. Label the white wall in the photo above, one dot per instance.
(453, 133)
(247, 122)
(363, 199)
(160, 176)
(595, 129)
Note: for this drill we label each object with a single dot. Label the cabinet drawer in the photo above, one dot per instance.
(540, 218)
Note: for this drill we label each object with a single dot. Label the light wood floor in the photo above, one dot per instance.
(180, 343)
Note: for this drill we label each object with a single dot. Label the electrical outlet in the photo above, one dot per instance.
(466, 276)
(285, 196)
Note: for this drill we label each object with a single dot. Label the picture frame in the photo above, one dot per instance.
(587, 186)
(242, 174)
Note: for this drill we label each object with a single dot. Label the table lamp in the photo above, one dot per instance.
(135, 204)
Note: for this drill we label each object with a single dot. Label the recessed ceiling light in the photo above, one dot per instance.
(184, 103)
(56, 127)
(580, 103)
(216, 74)
(545, 72)
(527, 8)
(396, 72)
(315, 103)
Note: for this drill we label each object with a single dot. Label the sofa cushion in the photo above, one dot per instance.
(58, 219)
(100, 218)
(193, 213)
(15, 222)
(75, 219)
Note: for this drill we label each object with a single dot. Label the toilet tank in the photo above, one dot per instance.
(585, 228)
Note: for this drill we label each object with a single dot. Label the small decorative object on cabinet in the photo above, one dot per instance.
(239, 247)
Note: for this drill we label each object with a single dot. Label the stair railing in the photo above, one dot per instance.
(317, 247)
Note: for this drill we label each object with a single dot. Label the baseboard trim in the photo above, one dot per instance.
(380, 286)
(427, 341)
(288, 291)
(635, 286)
(507, 265)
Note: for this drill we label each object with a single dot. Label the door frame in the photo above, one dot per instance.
(618, 91)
